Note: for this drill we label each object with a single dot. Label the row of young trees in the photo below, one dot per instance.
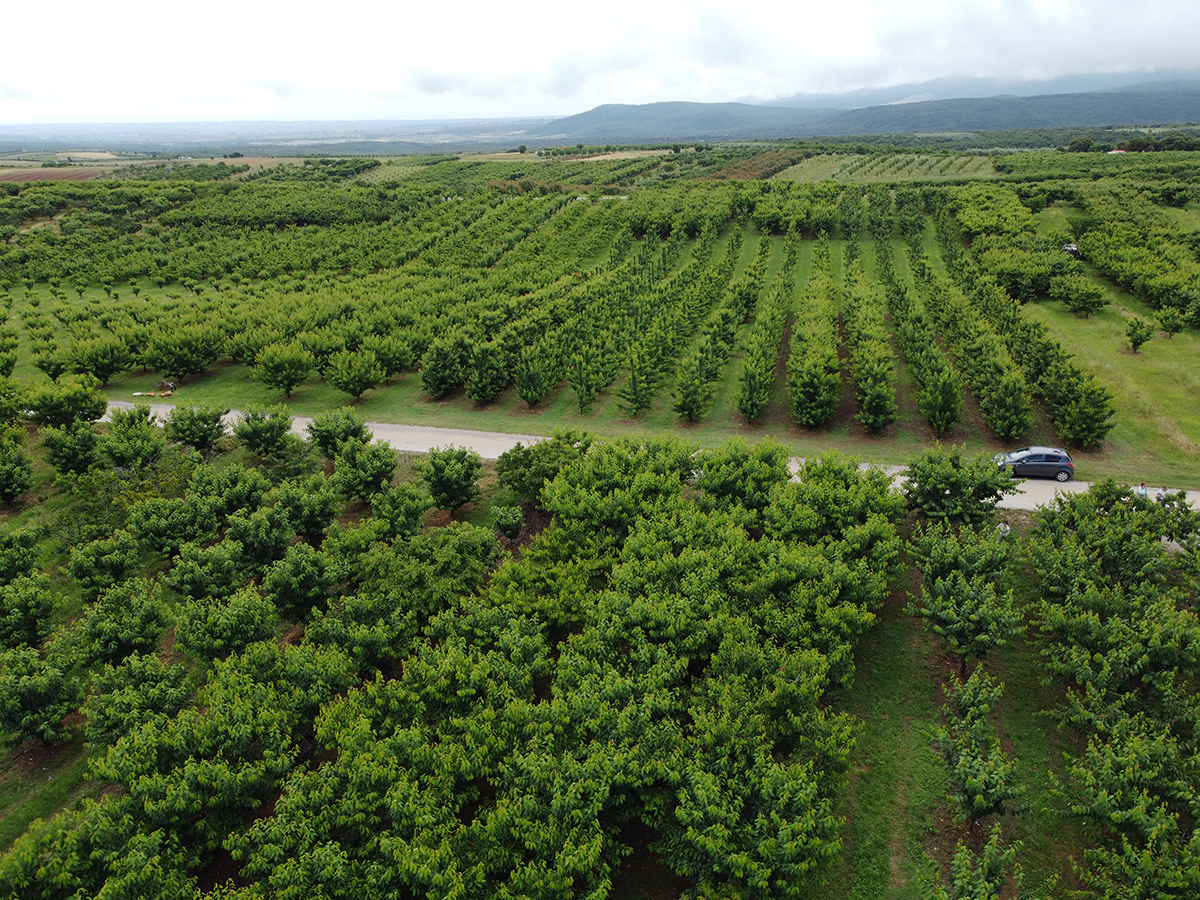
(698, 371)
(814, 381)
(982, 356)
(762, 342)
(939, 392)
(1080, 407)
(1123, 637)
(872, 362)
(966, 600)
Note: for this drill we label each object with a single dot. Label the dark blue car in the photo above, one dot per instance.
(1038, 462)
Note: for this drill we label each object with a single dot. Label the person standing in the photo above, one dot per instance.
(1141, 491)
(1161, 496)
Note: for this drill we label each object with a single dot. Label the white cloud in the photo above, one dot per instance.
(268, 60)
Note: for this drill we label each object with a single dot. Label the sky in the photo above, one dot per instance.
(75, 61)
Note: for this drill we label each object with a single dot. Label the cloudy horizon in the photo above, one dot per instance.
(274, 62)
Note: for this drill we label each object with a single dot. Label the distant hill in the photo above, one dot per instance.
(1154, 103)
(616, 123)
(960, 88)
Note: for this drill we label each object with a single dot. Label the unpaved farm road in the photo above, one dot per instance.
(490, 444)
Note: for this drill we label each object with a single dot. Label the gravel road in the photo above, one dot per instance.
(1030, 494)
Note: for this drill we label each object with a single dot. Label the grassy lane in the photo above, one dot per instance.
(1157, 435)
(1157, 438)
(897, 813)
(897, 783)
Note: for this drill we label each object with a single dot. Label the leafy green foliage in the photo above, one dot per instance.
(942, 485)
(101, 357)
(196, 426)
(72, 399)
(164, 524)
(26, 605)
(527, 469)
(214, 627)
(1080, 295)
(17, 552)
(310, 504)
(128, 618)
(100, 564)
(283, 366)
(401, 508)
(132, 440)
(737, 474)
(298, 582)
(452, 474)
(693, 391)
(979, 877)
(16, 468)
(262, 429)
(216, 571)
(1127, 641)
(508, 520)
(488, 374)
(637, 393)
(182, 351)
(444, 365)
(942, 550)
(72, 448)
(362, 470)
(264, 534)
(333, 428)
(35, 696)
(1139, 331)
(355, 372)
(982, 777)
(969, 614)
(1170, 320)
(140, 689)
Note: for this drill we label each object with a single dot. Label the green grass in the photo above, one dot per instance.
(897, 785)
(37, 784)
(1157, 432)
(898, 816)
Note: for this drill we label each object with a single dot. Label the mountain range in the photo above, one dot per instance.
(1148, 104)
(950, 108)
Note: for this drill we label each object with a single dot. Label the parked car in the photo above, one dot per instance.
(1038, 462)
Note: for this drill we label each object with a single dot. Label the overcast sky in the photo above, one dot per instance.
(74, 61)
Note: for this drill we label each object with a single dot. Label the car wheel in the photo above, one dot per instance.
(1062, 475)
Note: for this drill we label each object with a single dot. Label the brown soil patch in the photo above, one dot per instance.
(623, 154)
(845, 407)
(32, 756)
(643, 873)
(764, 165)
(536, 521)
